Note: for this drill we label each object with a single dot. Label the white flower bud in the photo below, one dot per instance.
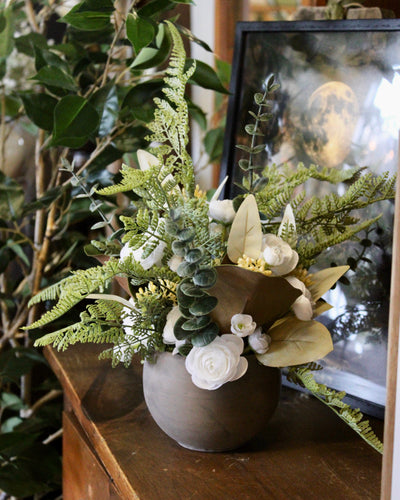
(278, 254)
(221, 210)
(242, 325)
(259, 341)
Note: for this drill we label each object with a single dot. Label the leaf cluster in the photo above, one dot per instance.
(322, 222)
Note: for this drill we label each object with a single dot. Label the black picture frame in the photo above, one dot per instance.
(315, 63)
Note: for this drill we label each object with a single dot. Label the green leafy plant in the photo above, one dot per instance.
(195, 269)
(76, 95)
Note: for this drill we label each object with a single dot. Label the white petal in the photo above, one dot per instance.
(241, 369)
(303, 308)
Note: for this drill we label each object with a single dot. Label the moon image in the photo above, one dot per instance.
(329, 122)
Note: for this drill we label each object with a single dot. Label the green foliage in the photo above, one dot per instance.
(302, 375)
(75, 288)
(91, 90)
(170, 126)
(322, 222)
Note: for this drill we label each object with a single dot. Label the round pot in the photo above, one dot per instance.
(203, 420)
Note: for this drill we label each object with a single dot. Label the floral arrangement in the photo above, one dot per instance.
(217, 281)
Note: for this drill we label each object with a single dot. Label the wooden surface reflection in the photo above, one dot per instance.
(111, 443)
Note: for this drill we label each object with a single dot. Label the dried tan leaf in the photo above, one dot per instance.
(322, 281)
(294, 342)
(238, 290)
(245, 237)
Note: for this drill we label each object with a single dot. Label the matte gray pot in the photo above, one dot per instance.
(203, 420)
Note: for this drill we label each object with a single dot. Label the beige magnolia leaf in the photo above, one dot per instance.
(146, 160)
(294, 342)
(321, 307)
(245, 236)
(238, 290)
(322, 281)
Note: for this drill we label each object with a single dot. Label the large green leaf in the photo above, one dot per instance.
(44, 57)
(214, 143)
(139, 30)
(152, 8)
(27, 43)
(296, 342)
(240, 291)
(17, 362)
(51, 76)
(26, 475)
(12, 105)
(74, 120)
(7, 17)
(139, 99)
(105, 101)
(205, 76)
(40, 109)
(90, 15)
(12, 198)
(150, 57)
(88, 21)
(197, 114)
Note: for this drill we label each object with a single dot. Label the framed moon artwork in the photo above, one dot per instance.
(338, 106)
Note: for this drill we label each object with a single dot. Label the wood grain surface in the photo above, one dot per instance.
(305, 452)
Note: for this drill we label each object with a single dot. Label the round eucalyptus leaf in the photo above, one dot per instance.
(179, 332)
(175, 214)
(184, 299)
(205, 278)
(192, 290)
(197, 323)
(203, 305)
(205, 336)
(185, 312)
(194, 255)
(171, 227)
(179, 248)
(186, 269)
(187, 234)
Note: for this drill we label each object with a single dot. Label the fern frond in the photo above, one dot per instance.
(52, 292)
(132, 178)
(78, 286)
(302, 375)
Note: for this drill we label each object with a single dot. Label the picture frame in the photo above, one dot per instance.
(337, 106)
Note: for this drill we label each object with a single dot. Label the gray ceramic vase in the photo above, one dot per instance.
(203, 420)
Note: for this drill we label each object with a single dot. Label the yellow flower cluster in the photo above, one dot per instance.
(198, 193)
(257, 265)
(165, 289)
(303, 275)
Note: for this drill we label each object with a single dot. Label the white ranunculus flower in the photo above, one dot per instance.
(168, 332)
(217, 363)
(221, 210)
(259, 341)
(154, 259)
(242, 325)
(174, 262)
(302, 307)
(278, 254)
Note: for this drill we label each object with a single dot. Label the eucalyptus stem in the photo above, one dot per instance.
(253, 141)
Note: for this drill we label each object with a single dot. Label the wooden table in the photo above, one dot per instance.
(114, 450)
